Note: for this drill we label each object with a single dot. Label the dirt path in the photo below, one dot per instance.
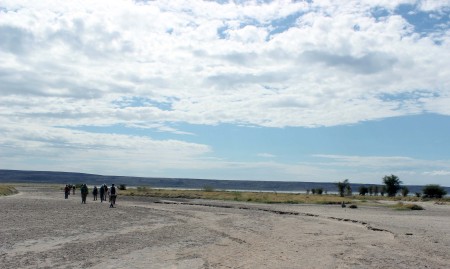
(40, 229)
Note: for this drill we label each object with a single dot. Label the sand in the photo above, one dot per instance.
(40, 229)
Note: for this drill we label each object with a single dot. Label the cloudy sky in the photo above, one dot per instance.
(255, 90)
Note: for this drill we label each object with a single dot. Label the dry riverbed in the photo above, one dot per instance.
(40, 229)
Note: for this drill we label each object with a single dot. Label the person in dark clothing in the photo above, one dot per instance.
(84, 192)
(95, 192)
(102, 193)
(106, 191)
(66, 192)
(112, 195)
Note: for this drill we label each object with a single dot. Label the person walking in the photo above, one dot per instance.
(102, 193)
(112, 195)
(95, 192)
(66, 191)
(106, 191)
(84, 192)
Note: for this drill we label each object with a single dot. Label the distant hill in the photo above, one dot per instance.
(21, 176)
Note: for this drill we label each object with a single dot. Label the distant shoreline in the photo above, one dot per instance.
(51, 177)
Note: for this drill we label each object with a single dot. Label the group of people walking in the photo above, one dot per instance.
(67, 189)
(103, 191)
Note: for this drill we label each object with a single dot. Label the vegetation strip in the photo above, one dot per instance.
(7, 190)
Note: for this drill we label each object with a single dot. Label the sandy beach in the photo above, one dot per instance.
(40, 229)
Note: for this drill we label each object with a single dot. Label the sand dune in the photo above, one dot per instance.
(40, 229)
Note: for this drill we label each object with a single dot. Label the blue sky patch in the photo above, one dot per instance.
(424, 22)
(137, 101)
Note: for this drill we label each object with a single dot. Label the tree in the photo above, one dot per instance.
(370, 189)
(363, 190)
(382, 190)
(433, 191)
(375, 190)
(342, 186)
(405, 191)
(392, 184)
(348, 190)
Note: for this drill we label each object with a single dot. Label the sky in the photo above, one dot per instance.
(237, 90)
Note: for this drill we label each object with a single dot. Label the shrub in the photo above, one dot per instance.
(142, 188)
(208, 188)
(319, 191)
(375, 190)
(7, 190)
(122, 187)
(402, 206)
(363, 190)
(353, 206)
(382, 190)
(415, 207)
(433, 191)
(405, 191)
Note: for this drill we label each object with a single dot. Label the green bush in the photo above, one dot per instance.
(363, 190)
(122, 187)
(142, 188)
(433, 191)
(7, 190)
(208, 188)
(405, 191)
(415, 207)
(402, 206)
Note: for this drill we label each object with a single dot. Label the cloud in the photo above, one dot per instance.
(367, 64)
(126, 154)
(162, 51)
(157, 65)
(14, 40)
(266, 155)
(437, 6)
(437, 173)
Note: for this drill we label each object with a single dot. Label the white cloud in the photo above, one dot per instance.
(152, 64)
(123, 154)
(438, 173)
(160, 51)
(266, 155)
(432, 5)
